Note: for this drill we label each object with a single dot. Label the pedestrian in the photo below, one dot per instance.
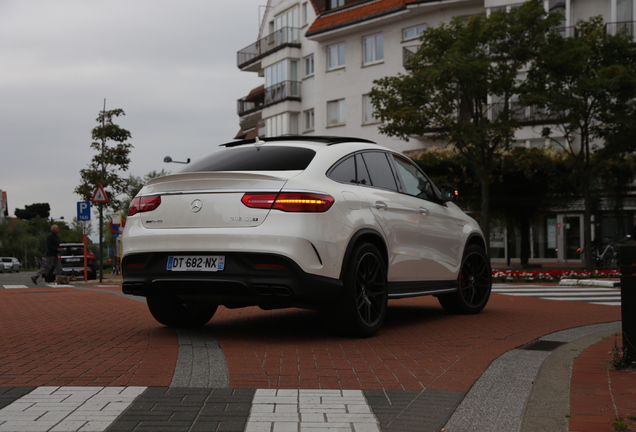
(51, 258)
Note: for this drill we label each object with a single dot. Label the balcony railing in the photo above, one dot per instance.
(287, 36)
(520, 112)
(407, 54)
(251, 103)
(623, 27)
(286, 90)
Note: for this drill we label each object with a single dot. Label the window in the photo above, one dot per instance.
(336, 112)
(265, 158)
(367, 110)
(336, 56)
(304, 18)
(380, 171)
(350, 170)
(373, 49)
(309, 65)
(413, 32)
(282, 124)
(335, 3)
(309, 120)
(414, 182)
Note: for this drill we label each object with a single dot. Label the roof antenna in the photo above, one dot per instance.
(258, 141)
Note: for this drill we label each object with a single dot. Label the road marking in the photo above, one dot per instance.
(67, 409)
(14, 286)
(317, 410)
(603, 296)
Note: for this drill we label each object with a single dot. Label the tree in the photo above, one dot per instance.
(106, 165)
(587, 84)
(462, 85)
(31, 211)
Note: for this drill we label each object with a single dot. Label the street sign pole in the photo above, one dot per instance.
(100, 198)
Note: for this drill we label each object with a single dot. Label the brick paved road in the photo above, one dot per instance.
(65, 336)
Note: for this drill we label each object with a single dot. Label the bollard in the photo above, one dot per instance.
(627, 261)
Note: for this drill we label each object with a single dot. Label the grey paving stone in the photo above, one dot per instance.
(417, 411)
(10, 394)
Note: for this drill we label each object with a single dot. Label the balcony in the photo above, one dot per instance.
(407, 54)
(524, 114)
(252, 102)
(262, 97)
(286, 90)
(623, 27)
(285, 37)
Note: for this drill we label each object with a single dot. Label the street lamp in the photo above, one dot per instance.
(168, 159)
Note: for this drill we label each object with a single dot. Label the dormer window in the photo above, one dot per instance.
(332, 4)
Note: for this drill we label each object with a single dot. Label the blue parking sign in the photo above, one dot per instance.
(83, 210)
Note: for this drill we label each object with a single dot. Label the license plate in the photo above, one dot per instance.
(196, 263)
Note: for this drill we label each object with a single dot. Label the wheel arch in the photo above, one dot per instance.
(366, 235)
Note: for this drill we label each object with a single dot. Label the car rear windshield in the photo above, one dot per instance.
(263, 158)
(72, 250)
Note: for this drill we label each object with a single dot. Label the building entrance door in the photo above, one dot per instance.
(570, 228)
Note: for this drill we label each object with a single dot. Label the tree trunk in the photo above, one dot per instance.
(485, 208)
(587, 226)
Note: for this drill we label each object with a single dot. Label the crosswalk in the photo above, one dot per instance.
(594, 295)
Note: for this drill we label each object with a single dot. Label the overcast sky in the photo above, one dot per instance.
(170, 65)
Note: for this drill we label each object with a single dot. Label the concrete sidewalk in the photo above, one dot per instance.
(424, 371)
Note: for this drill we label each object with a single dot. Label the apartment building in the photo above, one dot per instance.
(319, 58)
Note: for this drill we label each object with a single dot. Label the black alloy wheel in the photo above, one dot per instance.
(475, 284)
(365, 301)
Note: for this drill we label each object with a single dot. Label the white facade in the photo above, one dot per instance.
(331, 76)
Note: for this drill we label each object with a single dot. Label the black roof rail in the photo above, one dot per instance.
(329, 140)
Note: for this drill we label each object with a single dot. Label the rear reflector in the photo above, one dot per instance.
(289, 201)
(143, 204)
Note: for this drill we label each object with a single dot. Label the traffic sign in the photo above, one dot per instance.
(83, 211)
(99, 196)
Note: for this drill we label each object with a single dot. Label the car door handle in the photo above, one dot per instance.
(380, 205)
(423, 211)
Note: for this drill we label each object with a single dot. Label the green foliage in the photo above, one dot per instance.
(461, 86)
(106, 165)
(29, 212)
(587, 85)
(26, 239)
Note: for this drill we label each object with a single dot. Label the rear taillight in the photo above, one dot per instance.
(143, 204)
(289, 201)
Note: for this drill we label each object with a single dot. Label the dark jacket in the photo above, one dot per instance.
(52, 245)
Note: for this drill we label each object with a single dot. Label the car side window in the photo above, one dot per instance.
(379, 169)
(344, 172)
(350, 170)
(414, 182)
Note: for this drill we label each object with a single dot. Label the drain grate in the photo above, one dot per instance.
(543, 345)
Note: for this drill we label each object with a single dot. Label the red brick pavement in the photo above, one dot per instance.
(70, 337)
(419, 346)
(599, 394)
(67, 336)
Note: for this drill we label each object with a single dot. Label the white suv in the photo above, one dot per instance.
(336, 224)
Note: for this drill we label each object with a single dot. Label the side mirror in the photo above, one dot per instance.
(449, 193)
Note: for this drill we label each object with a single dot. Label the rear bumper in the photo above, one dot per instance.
(248, 279)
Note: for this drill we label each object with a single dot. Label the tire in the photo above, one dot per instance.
(475, 284)
(365, 299)
(169, 310)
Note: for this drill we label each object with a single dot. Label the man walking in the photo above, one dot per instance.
(51, 257)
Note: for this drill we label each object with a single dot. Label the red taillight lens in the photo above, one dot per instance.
(289, 201)
(143, 204)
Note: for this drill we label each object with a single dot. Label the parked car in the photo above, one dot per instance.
(10, 265)
(341, 225)
(72, 259)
